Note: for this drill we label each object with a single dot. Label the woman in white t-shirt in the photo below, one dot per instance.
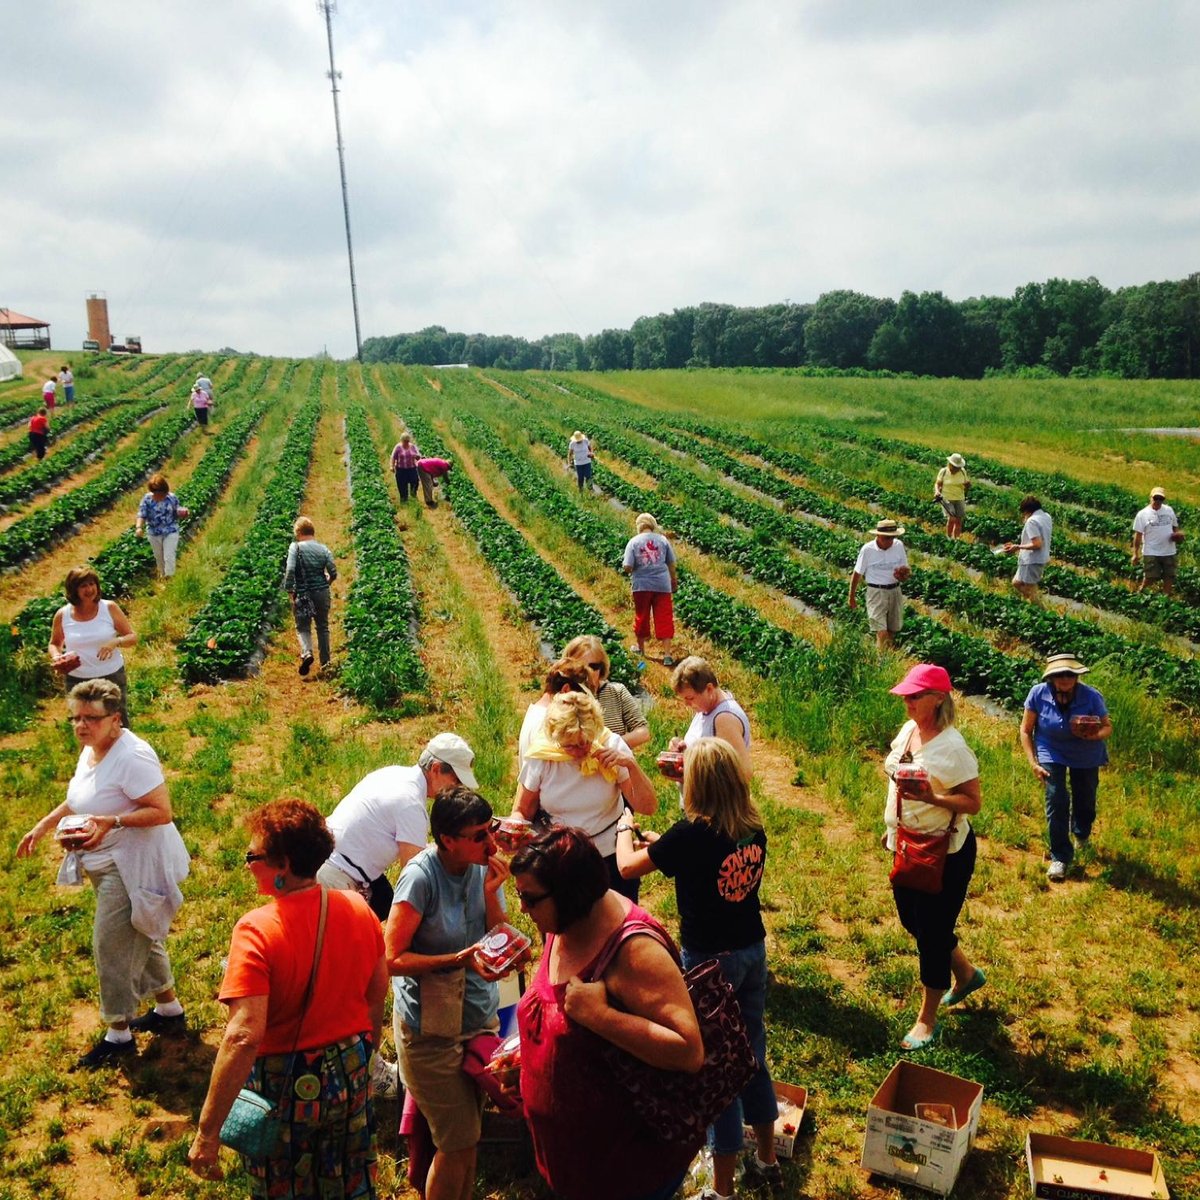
(580, 773)
(135, 859)
(564, 675)
(946, 800)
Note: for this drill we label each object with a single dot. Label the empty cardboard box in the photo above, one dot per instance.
(1063, 1169)
(792, 1102)
(925, 1153)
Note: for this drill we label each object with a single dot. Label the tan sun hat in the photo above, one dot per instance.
(1063, 664)
(1157, 492)
(957, 460)
(577, 436)
(888, 528)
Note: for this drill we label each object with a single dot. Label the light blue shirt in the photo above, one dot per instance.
(453, 916)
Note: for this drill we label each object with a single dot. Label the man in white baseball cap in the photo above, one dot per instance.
(1155, 539)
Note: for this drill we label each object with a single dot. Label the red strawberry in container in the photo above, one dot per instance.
(911, 777)
(670, 764)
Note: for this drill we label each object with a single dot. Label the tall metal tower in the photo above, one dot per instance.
(329, 7)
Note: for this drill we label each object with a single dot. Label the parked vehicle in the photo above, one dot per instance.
(92, 345)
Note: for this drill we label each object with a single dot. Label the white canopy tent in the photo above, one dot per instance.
(10, 364)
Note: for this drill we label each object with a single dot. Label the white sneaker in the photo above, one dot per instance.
(385, 1078)
(1056, 872)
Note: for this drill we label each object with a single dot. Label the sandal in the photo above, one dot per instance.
(910, 1043)
(956, 995)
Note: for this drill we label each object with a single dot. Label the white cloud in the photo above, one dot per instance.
(540, 166)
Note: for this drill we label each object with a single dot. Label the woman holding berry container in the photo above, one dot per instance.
(1063, 732)
(933, 787)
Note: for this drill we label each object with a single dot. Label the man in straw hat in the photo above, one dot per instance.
(883, 564)
(950, 491)
(1155, 536)
(579, 456)
(1033, 550)
(1063, 732)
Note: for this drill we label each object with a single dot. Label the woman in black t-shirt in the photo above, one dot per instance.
(716, 856)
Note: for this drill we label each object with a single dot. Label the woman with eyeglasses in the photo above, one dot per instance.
(944, 799)
(305, 985)
(135, 859)
(446, 899)
(717, 855)
(1063, 731)
(623, 715)
(606, 976)
(579, 773)
(89, 634)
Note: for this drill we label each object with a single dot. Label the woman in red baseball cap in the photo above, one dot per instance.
(933, 787)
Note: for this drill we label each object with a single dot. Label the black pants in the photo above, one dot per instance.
(627, 887)
(406, 482)
(37, 442)
(931, 919)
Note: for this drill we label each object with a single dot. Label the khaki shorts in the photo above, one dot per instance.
(1030, 573)
(956, 508)
(885, 609)
(431, 1068)
(1159, 566)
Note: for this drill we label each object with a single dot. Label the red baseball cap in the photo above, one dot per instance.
(924, 677)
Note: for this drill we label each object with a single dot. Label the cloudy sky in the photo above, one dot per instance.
(539, 166)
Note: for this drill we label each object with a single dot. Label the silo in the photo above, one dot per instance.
(97, 318)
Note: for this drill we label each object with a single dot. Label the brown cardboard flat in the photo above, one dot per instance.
(922, 1153)
(1066, 1169)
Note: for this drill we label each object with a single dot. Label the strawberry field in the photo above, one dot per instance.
(446, 617)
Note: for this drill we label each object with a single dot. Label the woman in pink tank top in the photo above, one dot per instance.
(588, 1142)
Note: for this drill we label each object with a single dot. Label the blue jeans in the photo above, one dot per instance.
(583, 473)
(1069, 810)
(746, 971)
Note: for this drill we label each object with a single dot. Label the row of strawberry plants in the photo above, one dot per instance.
(128, 560)
(1046, 631)
(383, 661)
(225, 634)
(547, 600)
(1170, 614)
(759, 644)
(1174, 616)
(68, 418)
(37, 533)
(22, 485)
(1104, 498)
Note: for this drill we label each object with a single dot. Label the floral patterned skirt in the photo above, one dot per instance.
(329, 1149)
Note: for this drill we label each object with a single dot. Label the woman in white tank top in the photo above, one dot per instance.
(88, 635)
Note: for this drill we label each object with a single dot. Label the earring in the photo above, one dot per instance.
(279, 882)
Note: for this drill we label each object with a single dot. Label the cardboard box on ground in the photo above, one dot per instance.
(1064, 1169)
(792, 1102)
(926, 1151)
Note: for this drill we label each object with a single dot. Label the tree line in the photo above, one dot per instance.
(1060, 327)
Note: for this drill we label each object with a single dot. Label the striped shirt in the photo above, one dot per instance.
(622, 713)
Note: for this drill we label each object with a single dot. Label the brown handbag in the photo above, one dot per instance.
(920, 860)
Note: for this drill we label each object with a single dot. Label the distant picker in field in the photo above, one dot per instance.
(1155, 537)
(39, 432)
(66, 380)
(201, 402)
(49, 393)
(406, 454)
(310, 570)
(1033, 550)
(579, 456)
(950, 490)
(205, 385)
(883, 564)
(429, 471)
(158, 516)
(649, 561)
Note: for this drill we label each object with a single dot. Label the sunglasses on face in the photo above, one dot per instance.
(88, 718)
(597, 667)
(481, 835)
(252, 857)
(529, 899)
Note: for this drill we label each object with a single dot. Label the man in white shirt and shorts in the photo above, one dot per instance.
(1155, 537)
(883, 565)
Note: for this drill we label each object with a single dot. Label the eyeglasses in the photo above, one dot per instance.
(597, 666)
(88, 718)
(530, 899)
(481, 835)
(251, 857)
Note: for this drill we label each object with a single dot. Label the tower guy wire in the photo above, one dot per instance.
(328, 7)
